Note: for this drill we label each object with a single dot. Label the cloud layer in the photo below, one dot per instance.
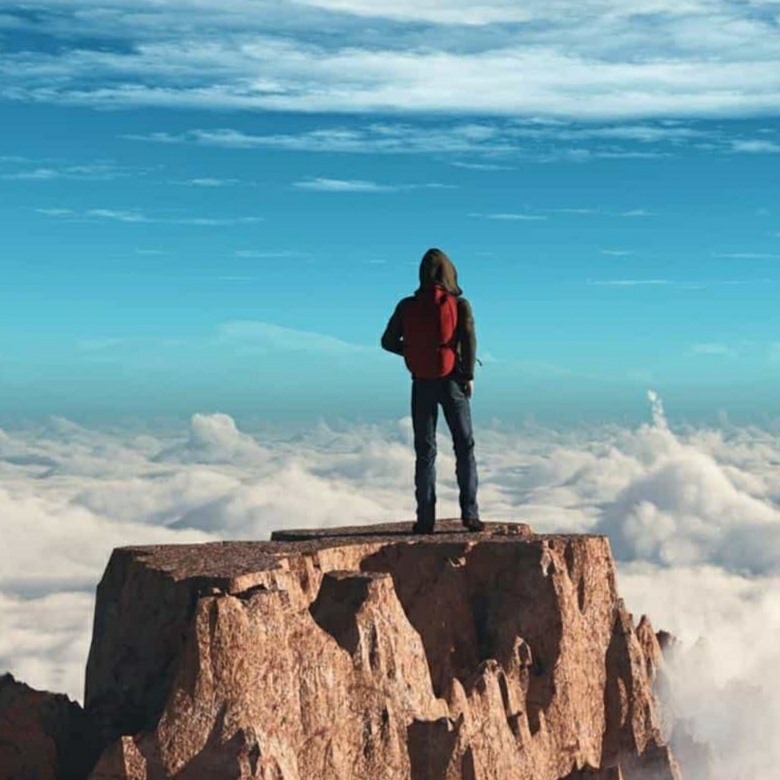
(533, 139)
(692, 516)
(602, 58)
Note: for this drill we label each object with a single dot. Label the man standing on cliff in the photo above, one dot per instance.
(434, 332)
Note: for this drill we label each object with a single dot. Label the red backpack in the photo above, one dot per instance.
(429, 322)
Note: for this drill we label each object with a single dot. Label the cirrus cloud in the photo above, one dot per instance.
(574, 60)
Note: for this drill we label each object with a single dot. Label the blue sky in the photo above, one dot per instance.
(215, 206)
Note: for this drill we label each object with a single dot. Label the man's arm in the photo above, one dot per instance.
(392, 338)
(467, 339)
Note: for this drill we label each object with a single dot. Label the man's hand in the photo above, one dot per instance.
(469, 388)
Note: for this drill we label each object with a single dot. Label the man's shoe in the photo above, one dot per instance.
(422, 528)
(473, 524)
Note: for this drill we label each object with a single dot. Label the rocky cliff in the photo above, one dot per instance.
(371, 654)
(44, 736)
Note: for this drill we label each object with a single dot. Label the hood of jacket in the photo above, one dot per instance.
(437, 268)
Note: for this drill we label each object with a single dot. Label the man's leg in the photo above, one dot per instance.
(424, 414)
(457, 412)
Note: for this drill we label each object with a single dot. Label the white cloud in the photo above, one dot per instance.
(117, 215)
(511, 217)
(55, 212)
(36, 174)
(756, 146)
(46, 639)
(747, 255)
(212, 221)
(138, 217)
(214, 438)
(646, 134)
(236, 338)
(474, 166)
(495, 141)
(261, 254)
(243, 13)
(729, 624)
(343, 185)
(628, 282)
(637, 213)
(48, 172)
(388, 138)
(577, 211)
(710, 348)
(597, 59)
(358, 185)
(686, 511)
(460, 12)
(209, 182)
(263, 336)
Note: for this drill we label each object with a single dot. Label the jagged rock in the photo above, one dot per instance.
(667, 642)
(370, 653)
(43, 736)
(651, 647)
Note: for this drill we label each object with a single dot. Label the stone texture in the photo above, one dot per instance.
(43, 736)
(371, 653)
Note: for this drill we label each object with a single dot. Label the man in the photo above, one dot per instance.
(434, 331)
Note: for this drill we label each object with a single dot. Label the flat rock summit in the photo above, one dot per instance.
(358, 653)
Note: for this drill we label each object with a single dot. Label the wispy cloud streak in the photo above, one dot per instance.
(359, 185)
(510, 217)
(494, 143)
(138, 217)
(629, 282)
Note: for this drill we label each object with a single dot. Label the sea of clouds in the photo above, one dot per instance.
(693, 515)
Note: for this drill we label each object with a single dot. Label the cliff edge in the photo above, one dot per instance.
(372, 654)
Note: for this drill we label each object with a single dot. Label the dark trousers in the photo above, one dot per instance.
(427, 395)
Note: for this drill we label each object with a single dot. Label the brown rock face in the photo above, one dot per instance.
(370, 653)
(43, 736)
